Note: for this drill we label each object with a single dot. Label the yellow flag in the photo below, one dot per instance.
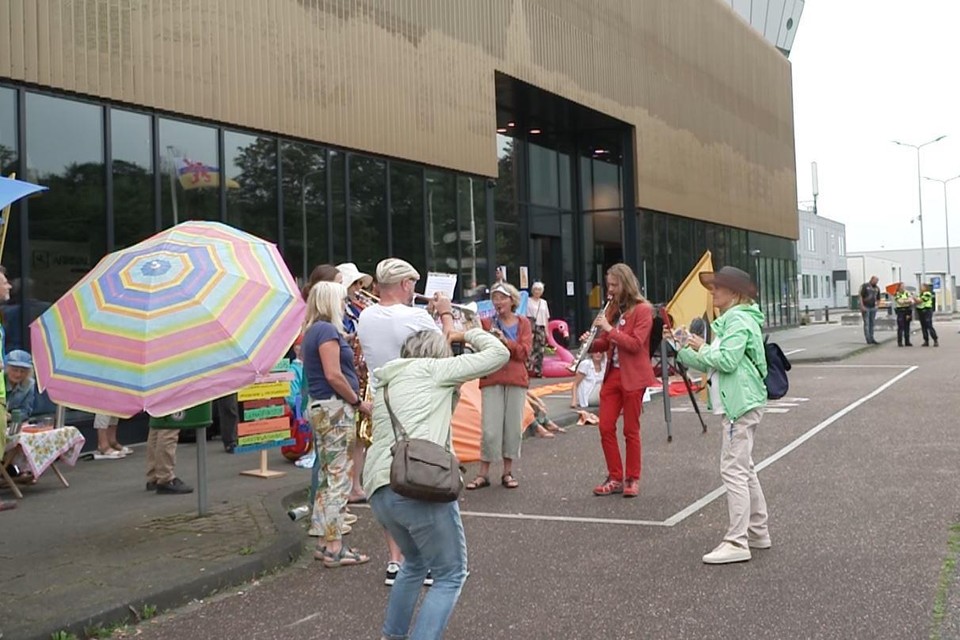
(692, 299)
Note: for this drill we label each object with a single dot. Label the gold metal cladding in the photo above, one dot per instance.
(711, 101)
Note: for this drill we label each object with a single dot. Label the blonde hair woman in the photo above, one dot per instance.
(334, 396)
(504, 392)
(736, 356)
(538, 312)
(624, 335)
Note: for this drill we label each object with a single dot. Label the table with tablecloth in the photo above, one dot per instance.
(38, 452)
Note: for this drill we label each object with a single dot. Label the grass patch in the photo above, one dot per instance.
(63, 635)
(947, 573)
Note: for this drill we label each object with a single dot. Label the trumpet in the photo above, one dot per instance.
(467, 311)
(366, 298)
(585, 347)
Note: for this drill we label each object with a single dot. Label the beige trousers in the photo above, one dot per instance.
(162, 455)
(746, 505)
(501, 418)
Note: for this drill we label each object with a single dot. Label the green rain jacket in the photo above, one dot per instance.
(737, 355)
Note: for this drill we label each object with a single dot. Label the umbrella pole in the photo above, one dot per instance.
(202, 471)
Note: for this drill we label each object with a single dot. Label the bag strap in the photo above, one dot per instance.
(393, 417)
(396, 422)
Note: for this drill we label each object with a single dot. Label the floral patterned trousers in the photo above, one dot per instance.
(535, 362)
(333, 427)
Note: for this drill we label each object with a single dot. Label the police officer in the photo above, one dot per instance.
(904, 303)
(925, 313)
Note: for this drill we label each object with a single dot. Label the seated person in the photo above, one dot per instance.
(542, 425)
(587, 381)
(21, 387)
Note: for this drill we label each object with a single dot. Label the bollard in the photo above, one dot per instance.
(806, 310)
(826, 314)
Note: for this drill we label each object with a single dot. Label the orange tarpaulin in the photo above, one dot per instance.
(466, 422)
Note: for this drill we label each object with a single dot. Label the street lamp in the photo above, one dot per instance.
(923, 249)
(946, 214)
(303, 215)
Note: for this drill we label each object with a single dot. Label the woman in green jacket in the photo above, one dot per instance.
(737, 366)
(423, 385)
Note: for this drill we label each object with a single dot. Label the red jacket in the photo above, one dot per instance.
(631, 336)
(514, 373)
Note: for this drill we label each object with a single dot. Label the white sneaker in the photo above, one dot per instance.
(727, 553)
(109, 454)
(759, 543)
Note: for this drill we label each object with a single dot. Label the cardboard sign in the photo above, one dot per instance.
(264, 390)
(262, 413)
(263, 426)
(264, 437)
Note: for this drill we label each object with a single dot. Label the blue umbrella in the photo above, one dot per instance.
(12, 190)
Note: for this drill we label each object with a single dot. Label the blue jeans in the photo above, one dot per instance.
(430, 534)
(869, 320)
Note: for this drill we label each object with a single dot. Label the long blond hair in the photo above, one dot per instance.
(630, 295)
(325, 302)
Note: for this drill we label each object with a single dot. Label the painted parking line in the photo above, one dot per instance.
(685, 513)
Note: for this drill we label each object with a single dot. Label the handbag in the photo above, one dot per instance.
(421, 469)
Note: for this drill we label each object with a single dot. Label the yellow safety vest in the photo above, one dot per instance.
(926, 301)
(903, 299)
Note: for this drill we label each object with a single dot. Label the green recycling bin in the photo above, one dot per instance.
(196, 417)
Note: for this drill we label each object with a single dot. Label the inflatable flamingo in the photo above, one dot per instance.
(555, 366)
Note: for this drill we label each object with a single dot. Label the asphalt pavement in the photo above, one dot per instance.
(860, 514)
(859, 468)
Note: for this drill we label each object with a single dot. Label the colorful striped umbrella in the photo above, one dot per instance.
(194, 313)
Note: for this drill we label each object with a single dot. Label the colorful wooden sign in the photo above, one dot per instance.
(266, 422)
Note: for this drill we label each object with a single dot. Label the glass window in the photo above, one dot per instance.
(406, 200)
(304, 175)
(251, 186)
(842, 245)
(368, 211)
(190, 188)
(606, 186)
(68, 232)
(508, 250)
(131, 147)
(338, 200)
(816, 287)
(505, 199)
(13, 323)
(442, 221)
(544, 177)
(473, 248)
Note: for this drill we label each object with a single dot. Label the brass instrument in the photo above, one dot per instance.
(585, 347)
(364, 422)
(467, 311)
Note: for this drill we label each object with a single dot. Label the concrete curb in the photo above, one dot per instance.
(284, 550)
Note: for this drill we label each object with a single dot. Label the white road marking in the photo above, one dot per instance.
(307, 619)
(716, 493)
(775, 410)
(848, 366)
(533, 516)
(790, 353)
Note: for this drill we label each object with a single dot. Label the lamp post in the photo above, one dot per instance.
(946, 214)
(303, 215)
(923, 249)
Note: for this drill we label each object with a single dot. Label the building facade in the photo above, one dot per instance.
(559, 136)
(911, 264)
(821, 254)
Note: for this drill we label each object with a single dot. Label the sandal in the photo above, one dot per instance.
(346, 557)
(508, 481)
(478, 483)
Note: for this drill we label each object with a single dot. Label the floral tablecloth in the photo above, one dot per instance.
(39, 450)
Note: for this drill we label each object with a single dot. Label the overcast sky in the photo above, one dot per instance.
(866, 73)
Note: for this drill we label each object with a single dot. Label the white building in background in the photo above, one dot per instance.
(776, 20)
(822, 264)
(910, 262)
(863, 267)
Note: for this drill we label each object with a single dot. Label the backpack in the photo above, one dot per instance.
(776, 381)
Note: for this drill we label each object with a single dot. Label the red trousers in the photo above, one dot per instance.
(613, 400)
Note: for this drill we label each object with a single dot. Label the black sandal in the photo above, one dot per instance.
(508, 481)
(478, 483)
